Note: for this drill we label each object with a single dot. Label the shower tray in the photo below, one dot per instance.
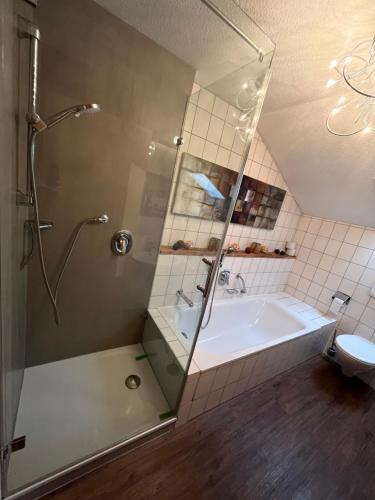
(72, 408)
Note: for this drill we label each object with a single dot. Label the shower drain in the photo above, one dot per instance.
(133, 382)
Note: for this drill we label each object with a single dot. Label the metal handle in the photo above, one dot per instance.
(121, 242)
(224, 277)
(205, 290)
(44, 224)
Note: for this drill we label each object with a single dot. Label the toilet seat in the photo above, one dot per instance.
(357, 348)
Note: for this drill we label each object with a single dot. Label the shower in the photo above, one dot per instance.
(38, 125)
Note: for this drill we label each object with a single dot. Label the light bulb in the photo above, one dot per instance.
(341, 100)
(335, 111)
(367, 130)
(245, 85)
(333, 64)
(330, 83)
(347, 60)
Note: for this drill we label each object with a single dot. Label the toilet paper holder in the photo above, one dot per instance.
(341, 296)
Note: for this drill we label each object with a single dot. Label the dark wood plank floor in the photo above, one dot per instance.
(307, 434)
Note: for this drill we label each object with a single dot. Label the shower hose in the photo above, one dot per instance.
(52, 295)
(212, 300)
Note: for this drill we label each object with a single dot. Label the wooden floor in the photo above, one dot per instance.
(307, 434)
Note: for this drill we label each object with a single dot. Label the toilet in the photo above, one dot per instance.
(355, 354)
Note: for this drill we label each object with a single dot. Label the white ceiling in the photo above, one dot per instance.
(190, 30)
(330, 176)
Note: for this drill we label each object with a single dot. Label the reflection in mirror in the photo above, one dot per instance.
(204, 189)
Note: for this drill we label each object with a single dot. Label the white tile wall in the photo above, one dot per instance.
(209, 133)
(335, 256)
(261, 275)
(260, 166)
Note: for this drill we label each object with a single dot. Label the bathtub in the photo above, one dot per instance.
(239, 327)
(249, 339)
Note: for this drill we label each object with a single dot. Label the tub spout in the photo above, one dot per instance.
(180, 293)
(243, 289)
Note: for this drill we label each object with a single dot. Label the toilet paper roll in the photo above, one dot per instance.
(336, 306)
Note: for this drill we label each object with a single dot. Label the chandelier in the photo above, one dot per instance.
(355, 76)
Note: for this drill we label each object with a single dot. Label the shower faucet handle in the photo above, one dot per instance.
(44, 224)
(121, 242)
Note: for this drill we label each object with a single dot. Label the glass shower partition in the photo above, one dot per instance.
(220, 122)
(80, 376)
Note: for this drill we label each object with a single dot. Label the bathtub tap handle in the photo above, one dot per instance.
(243, 289)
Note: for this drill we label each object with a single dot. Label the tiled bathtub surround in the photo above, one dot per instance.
(171, 334)
(206, 389)
(261, 275)
(173, 272)
(335, 256)
(209, 133)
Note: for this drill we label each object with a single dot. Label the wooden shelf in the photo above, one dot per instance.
(204, 251)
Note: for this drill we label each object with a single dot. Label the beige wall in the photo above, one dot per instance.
(100, 164)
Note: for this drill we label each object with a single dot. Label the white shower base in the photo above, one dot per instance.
(72, 408)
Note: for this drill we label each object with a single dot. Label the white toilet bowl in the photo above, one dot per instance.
(355, 354)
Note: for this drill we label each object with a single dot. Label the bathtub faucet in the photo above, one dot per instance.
(180, 293)
(243, 289)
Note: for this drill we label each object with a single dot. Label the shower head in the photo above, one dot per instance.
(39, 124)
(83, 109)
(77, 111)
(101, 219)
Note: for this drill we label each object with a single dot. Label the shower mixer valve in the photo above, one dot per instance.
(121, 242)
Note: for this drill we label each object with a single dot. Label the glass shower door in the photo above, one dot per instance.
(12, 217)
(220, 121)
(121, 162)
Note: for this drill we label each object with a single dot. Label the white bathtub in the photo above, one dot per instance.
(240, 327)
(248, 340)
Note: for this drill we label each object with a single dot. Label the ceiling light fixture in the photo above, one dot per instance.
(354, 112)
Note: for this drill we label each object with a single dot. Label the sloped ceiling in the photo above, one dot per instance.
(330, 176)
(191, 31)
